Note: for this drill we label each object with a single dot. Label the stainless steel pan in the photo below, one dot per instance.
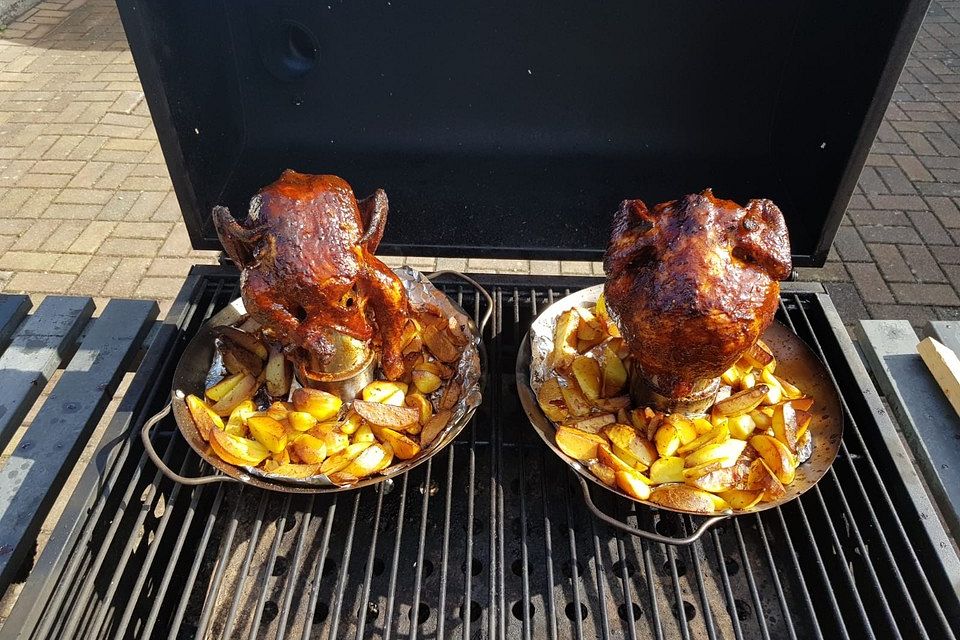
(795, 362)
(190, 377)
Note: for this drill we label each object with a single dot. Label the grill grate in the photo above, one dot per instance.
(489, 539)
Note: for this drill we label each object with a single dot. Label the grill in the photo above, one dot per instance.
(490, 538)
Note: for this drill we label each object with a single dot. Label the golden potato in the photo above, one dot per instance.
(667, 440)
(241, 391)
(236, 359)
(310, 449)
(606, 475)
(320, 404)
(335, 442)
(385, 392)
(664, 470)
(725, 452)
(278, 374)
(293, 470)
(607, 457)
(576, 403)
(593, 424)
(742, 426)
(587, 373)
(236, 450)
(376, 457)
(613, 374)
(683, 497)
(434, 426)
(579, 445)
(340, 461)
(741, 498)
(615, 404)
(777, 456)
(301, 420)
(403, 447)
(268, 432)
(762, 478)
(420, 403)
(633, 484)
(221, 389)
(743, 402)
(786, 427)
(364, 433)
(564, 340)
(439, 343)
(205, 418)
(350, 423)
(718, 434)
(386, 415)
(425, 381)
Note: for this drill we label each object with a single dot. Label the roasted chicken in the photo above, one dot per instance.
(693, 283)
(309, 273)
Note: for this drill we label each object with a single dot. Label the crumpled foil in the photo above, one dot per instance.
(420, 291)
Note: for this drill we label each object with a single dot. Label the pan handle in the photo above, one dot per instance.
(649, 535)
(475, 285)
(167, 471)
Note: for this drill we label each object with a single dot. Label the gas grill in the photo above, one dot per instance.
(503, 129)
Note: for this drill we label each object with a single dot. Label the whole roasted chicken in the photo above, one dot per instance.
(693, 283)
(309, 275)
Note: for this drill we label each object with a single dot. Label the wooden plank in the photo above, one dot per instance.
(928, 422)
(947, 332)
(31, 478)
(945, 368)
(13, 309)
(35, 353)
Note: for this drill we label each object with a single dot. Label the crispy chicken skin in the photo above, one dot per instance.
(306, 254)
(693, 283)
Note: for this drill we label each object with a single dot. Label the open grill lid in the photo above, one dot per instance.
(511, 129)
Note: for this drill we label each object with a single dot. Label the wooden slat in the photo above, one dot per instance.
(31, 478)
(929, 424)
(13, 309)
(945, 367)
(35, 353)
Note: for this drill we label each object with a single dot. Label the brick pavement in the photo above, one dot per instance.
(86, 205)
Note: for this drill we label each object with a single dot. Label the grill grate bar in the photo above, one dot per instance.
(244, 570)
(625, 581)
(268, 569)
(418, 570)
(894, 562)
(396, 560)
(651, 588)
(290, 587)
(679, 611)
(495, 611)
(752, 583)
(214, 589)
(578, 606)
(548, 551)
(345, 564)
(696, 551)
(601, 579)
(445, 547)
(318, 572)
(368, 573)
(727, 589)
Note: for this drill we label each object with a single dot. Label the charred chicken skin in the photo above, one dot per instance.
(308, 269)
(693, 283)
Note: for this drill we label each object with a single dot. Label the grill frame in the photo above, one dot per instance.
(929, 538)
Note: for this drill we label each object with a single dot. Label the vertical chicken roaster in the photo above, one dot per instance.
(310, 277)
(692, 284)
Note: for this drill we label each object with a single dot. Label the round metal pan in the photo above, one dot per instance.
(795, 362)
(190, 377)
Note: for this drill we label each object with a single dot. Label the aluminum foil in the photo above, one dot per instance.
(420, 291)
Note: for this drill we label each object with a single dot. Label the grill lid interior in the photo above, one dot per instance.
(514, 129)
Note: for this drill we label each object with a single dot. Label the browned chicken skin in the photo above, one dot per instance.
(306, 251)
(693, 283)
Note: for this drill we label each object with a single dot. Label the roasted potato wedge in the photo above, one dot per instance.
(743, 425)
(236, 359)
(714, 481)
(268, 432)
(335, 442)
(310, 449)
(236, 450)
(626, 437)
(364, 433)
(576, 403)
(741, 499)
(786, 425)
(633, 484)
(244, 340)
(439, 343)
(664, 470)
(320, 404)
(241, 391)
(606, 475)
(762, 478)
(386, 415)
(613, 375)
(725, 452)
(217, 391)
(790, 390)
(667, 440)
(586, 371)
(204, 417)
(564, 340)
(278, 374)
(385, 392)
(294, 470)
(607, 457)
(301, 420)
(613, 405)
(340, 461)
(403, 447)
(718, 434)
(425, 381)
(579, 445)
(434, 426)
(350, 423)
(421, 404)
(593, 424)
(683, 497)
(375, 457)
(743, 402)
(777, 456)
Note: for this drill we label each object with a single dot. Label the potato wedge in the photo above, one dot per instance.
(743, 425)
(374, 458)
(790, 390)
(725, 452)
(434, 426)
(786, 425)
(386, 415)
(667, 440)
(593, 424)
(606, 475)
(633, 484)
(320, 404)
(244, 340)
(364, 433)
(576, 403)
(664, 470)
(278, 374)
(701, 426)
(748, 381)
(760, 420)
(804, 447)
(217, 391)
(731, 376)
(741, 499)
(350, 423)
(203, 416)
(425, 381)
(684, 497)
(403, 447)
(236, 359)
(301, 420)
(335, 442)
(758, 356)
(587, 373)
(385, 392)
(579, 445)
(439, 343)
(604, 317)
(238, 417)
(684, 426)
(450, 395)
(420, 403)
(564, 340)
(294, 470)
(715, 481)
(310, 449)
(613, 375)
(236, 450)
(613, 405)
(626, 437)
(268, 432)
(279, 410)
(777, 456)
(341, 460)
(762, 478)
(802, 404)
(627, 456)
(804, 418)
(607, 457)
(718, 434)
(243, 390)
(743, 402)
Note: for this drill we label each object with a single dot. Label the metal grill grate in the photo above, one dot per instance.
(489, 539)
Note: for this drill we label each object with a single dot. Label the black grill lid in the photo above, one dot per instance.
(514, 129)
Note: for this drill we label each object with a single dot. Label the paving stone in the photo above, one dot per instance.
(452, 264)
(929, 228)
(873, 217)
(847, 300)
(922, 263)
(180, 267)
(946, 211)
(933, 294)
(850, 246)
(158, 287)
(126, 277)
(30, 281)
(870, 283)
(890, 262)
(889, 235)
(142, 230)
(94, 276)
(129, 247)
